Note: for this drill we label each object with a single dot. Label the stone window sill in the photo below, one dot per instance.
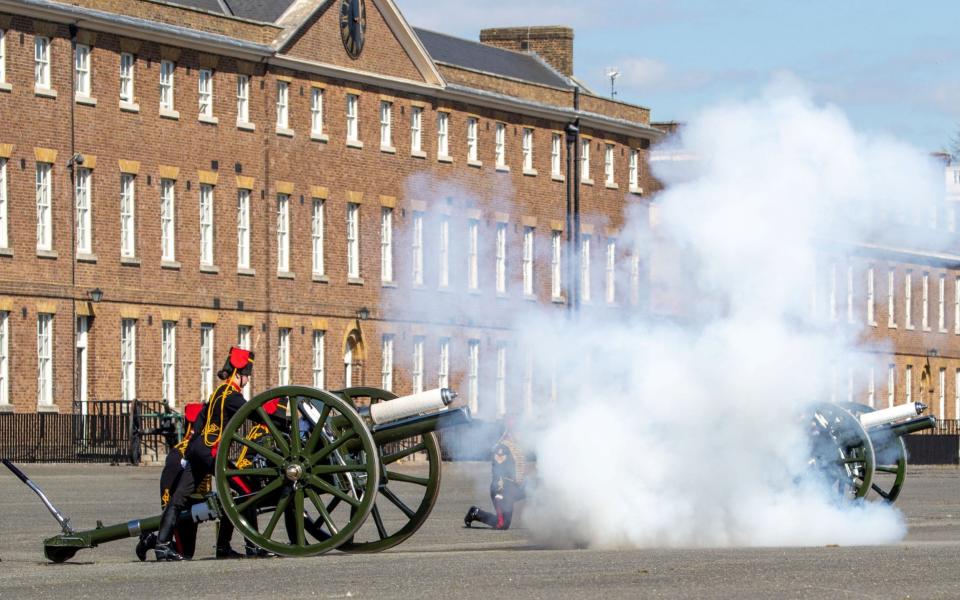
(166, 113)
(418, 154)
(355, 144)
(85, 100)
(246, 271)
(558, 300)
(320, 137)
(388, 149)
(320, 278)
(285, 132)
(208, 120)
(388, 284)
(131, 107)
(612, 186)
(5, 87)
(6, 408)
(355, 280)
(445, 159)
(130, 261)
(170, 264)
(531, 172)
(475, 163)
(586, 181)
(636, 190)
(246, 126)
(6, 251)
(557, 178)
(48, 408)
(48, 254)
(286, 275)
(44, 92)
(86, 257)
(209, 269)
(503, 168)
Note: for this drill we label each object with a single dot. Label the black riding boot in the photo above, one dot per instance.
(168, 522)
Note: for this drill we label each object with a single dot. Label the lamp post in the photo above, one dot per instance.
(96, 295)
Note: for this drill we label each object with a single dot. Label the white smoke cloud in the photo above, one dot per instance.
(685, 432)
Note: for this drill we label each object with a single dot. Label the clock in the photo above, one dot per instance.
(353, 25)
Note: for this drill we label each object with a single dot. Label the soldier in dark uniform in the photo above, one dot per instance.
(508, 469)
(199, 456)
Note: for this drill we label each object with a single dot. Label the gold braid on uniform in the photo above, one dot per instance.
(209, 428)
(519, 460)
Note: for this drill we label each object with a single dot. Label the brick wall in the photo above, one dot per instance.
(552, 44)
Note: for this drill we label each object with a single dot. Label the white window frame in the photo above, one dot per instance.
(443, 364)
(243, 228)
(956, 394)
(82, 74)
(501, 258)
(943, 393)
(168, 363)
(283, 356)
(556, 145)
(206, 225)
(871, 297)
(283, 105)
(316, 112)
(500, 145)
(941, 303)
(473, 375)
(4, 358)
(82, 187)
(501, 381)
(167, 83)
(443, 275)
(849, 294)
(832, 303)
(608, 165)
(585, 160)
(635, 278)
(634, 172)
(41, 62)
(168, 220)
(353, 240)
(386, 124)
(611, 271)
(472, 148)
(908, 384)
(416, 369)
(416, 249)
(128, 359)
(45, 340)
(416, 130)
(319, 358)
(386, 362)
(127, 78)
(128, 211)
(317, 218)
(585, 276)
(908, 300)
(243, 99)
(443, 134)
(3, 56)
(529, 236)
(4, 225)
(891, 300)
(283, 233)
(206, 360)
(956, 309)
(245, 341)
(205, 93)
(353, 118)
(473, 254)
(891, 385)
(527, 147)
(925, 307)
(556, 264)
(872, 389)
(44, 183)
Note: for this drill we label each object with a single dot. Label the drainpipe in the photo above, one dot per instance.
(572, 283)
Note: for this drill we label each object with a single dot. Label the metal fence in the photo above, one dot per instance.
(102, 431)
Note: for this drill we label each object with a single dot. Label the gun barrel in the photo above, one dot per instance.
(407, 406)
(889, 415)
(907, 427)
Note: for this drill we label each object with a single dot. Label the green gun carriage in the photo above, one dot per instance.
(302, 471)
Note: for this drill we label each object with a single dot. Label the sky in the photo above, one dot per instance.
(891, 67)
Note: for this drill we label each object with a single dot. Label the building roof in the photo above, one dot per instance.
(256, 10)
(488, 59)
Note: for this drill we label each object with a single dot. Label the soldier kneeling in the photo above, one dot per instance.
(508, 469)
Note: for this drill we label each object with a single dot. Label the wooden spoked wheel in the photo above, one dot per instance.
(891, 459)
(841, 450)
(313, 462)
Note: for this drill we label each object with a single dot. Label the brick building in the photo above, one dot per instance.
(177, 177)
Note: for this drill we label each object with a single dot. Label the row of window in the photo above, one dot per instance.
(206, 112)
(908, 304)
(938, 401)
(207, 363)
(205, 242)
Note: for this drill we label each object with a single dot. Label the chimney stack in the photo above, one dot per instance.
(553, 44)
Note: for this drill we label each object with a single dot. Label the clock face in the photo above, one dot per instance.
(353, 25)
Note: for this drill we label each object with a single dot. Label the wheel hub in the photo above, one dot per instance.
(294, 472)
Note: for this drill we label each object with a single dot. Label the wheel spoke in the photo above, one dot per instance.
(397, 502)
(326, 450)
(277, 513)
(317, 434)
(274, 431)
(328, 469)
(882, 493)
(258, 497)
(886, 469)
(392, 458)
(394, 476)
(324, 511)
(298, 515)
(259, 449)
(264, 472)
(326, 487)
(378, 521)
(295, 424)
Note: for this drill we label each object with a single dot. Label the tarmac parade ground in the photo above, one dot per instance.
(446, 560)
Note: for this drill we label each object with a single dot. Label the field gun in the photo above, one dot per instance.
(321, 462)
(860, 450)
